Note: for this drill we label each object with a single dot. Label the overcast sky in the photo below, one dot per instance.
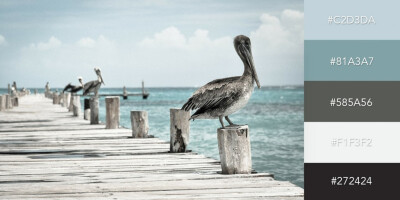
(166, 43)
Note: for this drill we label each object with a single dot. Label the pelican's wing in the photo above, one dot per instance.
(87, 86)
(76, 89)
(212, 94)
(69, 86)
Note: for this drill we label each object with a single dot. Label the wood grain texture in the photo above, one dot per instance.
(45, 153)
(140, 124)
(179, 130)
(76, 106)
(3, 102)
(94, 110)
(235, 150)
(112, 112)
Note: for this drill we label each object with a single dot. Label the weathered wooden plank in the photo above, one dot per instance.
(45, 153)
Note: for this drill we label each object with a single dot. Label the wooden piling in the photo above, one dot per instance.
(140, 124)
(9, 89)
(65, 100)
(61, 99)
(86, 109)
(55, 98)
(15, 101)
(235, 150)
(76, 106)
(112, 112)
(8, 101)
(71, 103)
(94, 110)
(2, 102)
(179, 130)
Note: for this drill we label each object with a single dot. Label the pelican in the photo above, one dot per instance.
(93, 86)
(74, 88)
(222, 97)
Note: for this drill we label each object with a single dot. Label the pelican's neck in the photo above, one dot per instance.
(247, 71)
(99, 79)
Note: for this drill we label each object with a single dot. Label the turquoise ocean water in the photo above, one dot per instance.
(274, 114)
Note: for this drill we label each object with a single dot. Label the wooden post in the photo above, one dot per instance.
(15, 101)
(8, 102)
(179, 130)
(67, 99)
(2, 102)
(61, 99)
(9, 89)
(125, 93)
(235, 150)
(94, 110)
(112, 112)
(86, 109)
(140, 124)
(71, 103)
(143, 88)
(55, 97)
(76, 105)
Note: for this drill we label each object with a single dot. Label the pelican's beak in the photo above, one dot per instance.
(249, 59)
(102, 81)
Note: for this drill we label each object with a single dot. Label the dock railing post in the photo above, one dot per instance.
(76, 105)
(2, 102)
(140, 124)
(15, 101)
(86, 109)
(235, 150)
(94, 110)
(71, 103)
(55, 96)
(112, 112)
(61, 99)
(8, 102)
(179, 130)
(65, 99)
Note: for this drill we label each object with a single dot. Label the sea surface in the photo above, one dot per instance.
(275, 116)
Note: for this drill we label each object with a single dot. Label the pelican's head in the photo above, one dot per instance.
(98, 72)
(243, 48)
(80, 79)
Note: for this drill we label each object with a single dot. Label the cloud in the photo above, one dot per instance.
(277, 50)
(279, 47)
(88, 42)
(52, 43)
(169, 37)
(171, 57)
(172, 37)
(2, 40)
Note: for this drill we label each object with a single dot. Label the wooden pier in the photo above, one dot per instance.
(46, 153)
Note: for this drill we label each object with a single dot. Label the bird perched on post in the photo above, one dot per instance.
(74, 88)
(222, 97)
(94, 86)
